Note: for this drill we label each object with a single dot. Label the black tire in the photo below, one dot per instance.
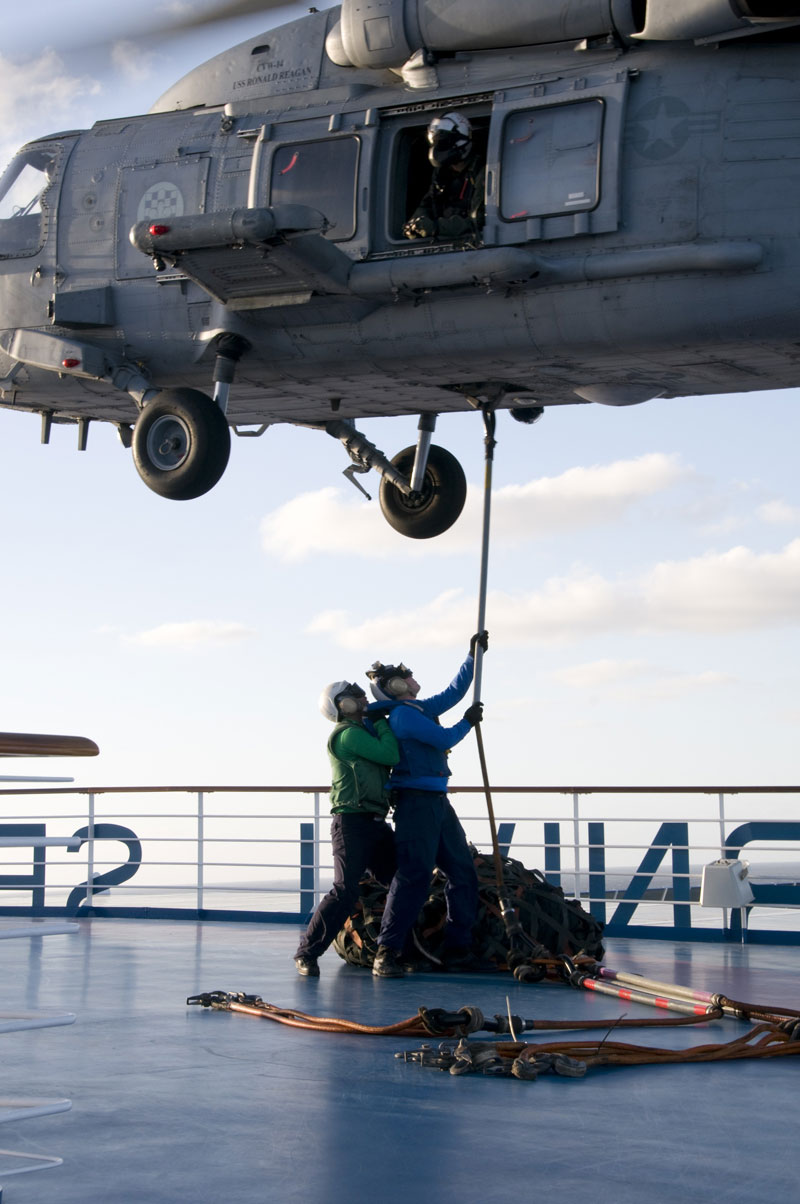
(437, 506)
(181, 444)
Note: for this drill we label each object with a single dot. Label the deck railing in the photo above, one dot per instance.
(633, 855)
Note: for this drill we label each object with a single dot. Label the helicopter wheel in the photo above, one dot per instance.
(181, 444)
(438, 504)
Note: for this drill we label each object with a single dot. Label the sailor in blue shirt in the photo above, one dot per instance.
(428, 833)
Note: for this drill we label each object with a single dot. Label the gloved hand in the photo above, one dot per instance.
(474, 714)
(419, 227)
(376, 712)
(480, 637)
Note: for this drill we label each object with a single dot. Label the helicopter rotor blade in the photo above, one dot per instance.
(228, 11)
(152, 29)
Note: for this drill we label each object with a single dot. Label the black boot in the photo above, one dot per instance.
(388, 963)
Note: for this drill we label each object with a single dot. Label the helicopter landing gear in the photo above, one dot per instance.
(422, 490)
(433, 507)
(181, 444)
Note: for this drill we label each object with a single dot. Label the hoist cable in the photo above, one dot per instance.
(523, 950)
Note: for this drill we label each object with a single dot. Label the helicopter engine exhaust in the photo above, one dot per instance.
(386, 33)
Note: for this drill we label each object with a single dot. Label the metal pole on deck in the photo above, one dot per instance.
(489, 422)
(489, 445)
(522, 948)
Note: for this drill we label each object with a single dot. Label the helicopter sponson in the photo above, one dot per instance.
(244, 254)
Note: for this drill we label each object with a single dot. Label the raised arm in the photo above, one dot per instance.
(382, 748)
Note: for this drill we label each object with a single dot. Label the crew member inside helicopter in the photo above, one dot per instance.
(453, 206)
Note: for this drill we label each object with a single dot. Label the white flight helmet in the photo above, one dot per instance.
(450, 139)
(341, 700)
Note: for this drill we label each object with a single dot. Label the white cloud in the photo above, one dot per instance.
(729, 591)
(327, 521)
(430, 625)
(732, 591)
(321, 522)
(134, 62)
(778, 512)
(564, 609)
(583, 497)
(193, 634)
(600, 673)
(37, 96)
(709, 677)
(636, 679)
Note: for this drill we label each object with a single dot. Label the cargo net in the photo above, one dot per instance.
(546, 915)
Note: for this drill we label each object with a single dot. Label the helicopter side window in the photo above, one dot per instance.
(322, 175)
(551, 161)
(22, 202)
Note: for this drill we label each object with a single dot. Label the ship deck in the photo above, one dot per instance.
(174, 1104)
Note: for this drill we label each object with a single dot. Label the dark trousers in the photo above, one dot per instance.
(428, 833)
(359, 842)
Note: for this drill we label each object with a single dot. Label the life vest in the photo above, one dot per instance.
(457, 192)
(420, 761)
(357, 785)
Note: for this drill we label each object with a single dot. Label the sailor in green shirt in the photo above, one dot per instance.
(362, 752)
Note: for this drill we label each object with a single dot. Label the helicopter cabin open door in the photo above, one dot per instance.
(553, 159)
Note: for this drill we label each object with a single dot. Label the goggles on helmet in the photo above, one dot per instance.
(383, 673)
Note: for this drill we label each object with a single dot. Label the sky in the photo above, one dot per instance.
(644, 576)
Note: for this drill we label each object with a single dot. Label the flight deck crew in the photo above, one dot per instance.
(427, 830)
(453, 206)
(361, 754)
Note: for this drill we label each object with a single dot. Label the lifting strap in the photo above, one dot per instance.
(429, 1022)
(769, 1039)
(572, 1059)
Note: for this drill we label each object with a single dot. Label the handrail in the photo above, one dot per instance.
(614, 862)
(451, 789)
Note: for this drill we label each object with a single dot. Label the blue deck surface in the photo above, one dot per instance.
(177, 1105)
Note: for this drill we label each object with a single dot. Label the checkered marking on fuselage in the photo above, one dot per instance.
(163, 199)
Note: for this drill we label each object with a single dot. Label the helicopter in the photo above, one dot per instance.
(238, 256)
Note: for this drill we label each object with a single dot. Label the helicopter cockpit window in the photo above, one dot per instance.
(23, 186)
(322, 175)
(551, 161)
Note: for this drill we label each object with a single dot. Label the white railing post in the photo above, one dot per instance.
(317, 891)
(721, 801)
(90, 859)
(200, 850)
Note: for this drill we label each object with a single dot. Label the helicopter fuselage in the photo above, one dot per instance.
(640, 236)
